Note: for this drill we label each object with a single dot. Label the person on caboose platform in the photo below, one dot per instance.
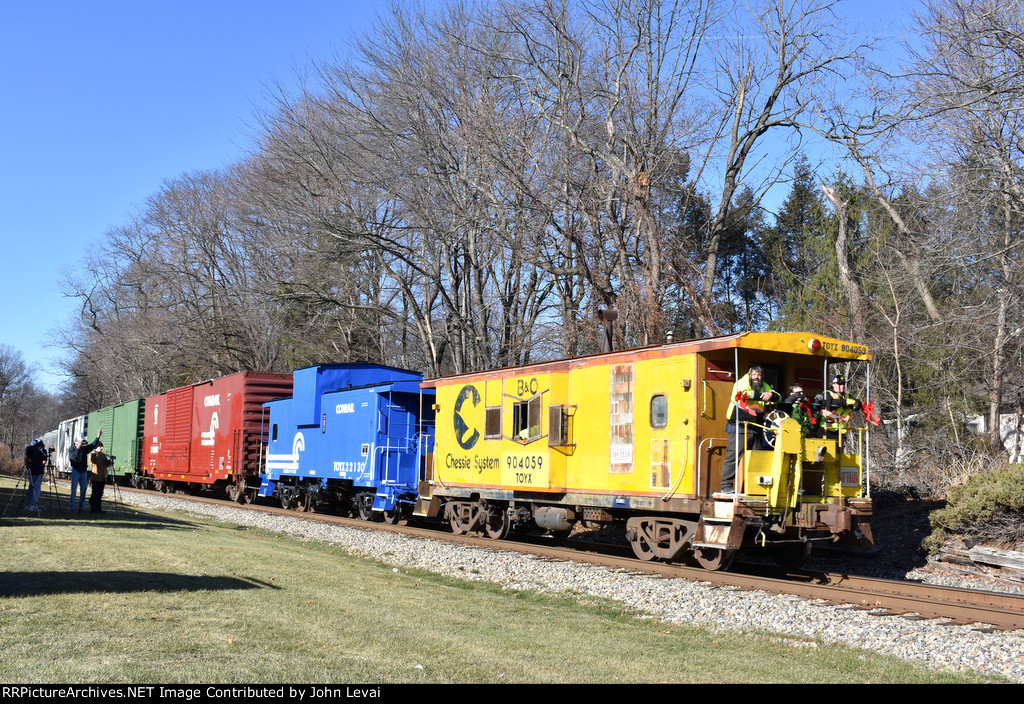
(835, 407)
(750, 396)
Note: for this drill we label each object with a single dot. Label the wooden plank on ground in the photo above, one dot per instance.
(994, 556)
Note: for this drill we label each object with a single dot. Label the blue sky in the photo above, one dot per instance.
(101, 101)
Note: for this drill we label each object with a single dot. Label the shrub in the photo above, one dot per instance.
(987, 507)
(931, 463)
(7, 465)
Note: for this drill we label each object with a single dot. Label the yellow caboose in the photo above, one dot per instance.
(637, 438)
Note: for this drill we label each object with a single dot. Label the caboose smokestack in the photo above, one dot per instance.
(607, 317)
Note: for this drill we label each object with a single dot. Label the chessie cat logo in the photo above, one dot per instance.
(466, 436)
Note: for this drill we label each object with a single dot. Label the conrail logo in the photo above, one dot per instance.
(466, 437)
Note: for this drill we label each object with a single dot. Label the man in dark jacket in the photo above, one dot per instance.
(78, 458)
(35, 462)
(835, 407)
(799, 408)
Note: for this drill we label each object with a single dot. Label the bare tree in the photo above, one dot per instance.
(851, 287)
(169, 298)
(14, 386)
(613, 83)
(967, 88)
(770, 77)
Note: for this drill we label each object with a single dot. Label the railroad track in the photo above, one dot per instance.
(985, 610)
(887, 597)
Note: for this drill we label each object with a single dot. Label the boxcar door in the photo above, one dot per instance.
(177, 442)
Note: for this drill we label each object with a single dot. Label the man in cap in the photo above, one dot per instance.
(834, 407)
(78, 458)
(100, 466)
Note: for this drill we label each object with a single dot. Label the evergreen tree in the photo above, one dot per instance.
(798, 247)
(810, 292)
(745, 266)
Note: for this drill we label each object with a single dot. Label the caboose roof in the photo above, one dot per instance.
(785, 342)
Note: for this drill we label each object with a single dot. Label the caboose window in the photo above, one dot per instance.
(558, 426)
(659, 411)
(492, 422)
(274, 433)
(526, 420)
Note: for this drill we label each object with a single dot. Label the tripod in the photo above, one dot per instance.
(26, 481)
(113, 498)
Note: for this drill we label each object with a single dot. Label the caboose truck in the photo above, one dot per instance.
(636, 438)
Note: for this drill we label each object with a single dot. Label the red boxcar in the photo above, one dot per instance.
(210, 434)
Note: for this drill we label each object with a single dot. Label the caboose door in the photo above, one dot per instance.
(716, 375)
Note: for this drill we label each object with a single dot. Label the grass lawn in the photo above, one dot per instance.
(153, 597)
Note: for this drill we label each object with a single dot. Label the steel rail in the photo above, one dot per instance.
(954, 605)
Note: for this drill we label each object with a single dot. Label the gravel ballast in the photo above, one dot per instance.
(676, 601)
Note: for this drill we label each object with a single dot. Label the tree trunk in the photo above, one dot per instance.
(850, 286)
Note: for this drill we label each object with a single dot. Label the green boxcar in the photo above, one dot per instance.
(122, 435)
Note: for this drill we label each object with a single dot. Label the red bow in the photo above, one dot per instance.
(805, 406)
(741, 400)
(869, 413)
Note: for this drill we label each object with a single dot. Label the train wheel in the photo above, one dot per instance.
(714, 559)
(396, 516)
(455, 524)
(364, 504)
(464, 517)
(659, 537)
(639, 532)
(497, 523)
(231, 490)
(642, 548)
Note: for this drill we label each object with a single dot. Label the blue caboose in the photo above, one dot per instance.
(354, 437)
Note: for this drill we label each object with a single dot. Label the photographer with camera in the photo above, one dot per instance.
(35, 462)
(100, 469)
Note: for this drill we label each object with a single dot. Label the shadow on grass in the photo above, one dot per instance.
(15, 584)
(127, 522)
(115, 515)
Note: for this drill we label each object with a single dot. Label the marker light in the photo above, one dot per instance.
(814, 345)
